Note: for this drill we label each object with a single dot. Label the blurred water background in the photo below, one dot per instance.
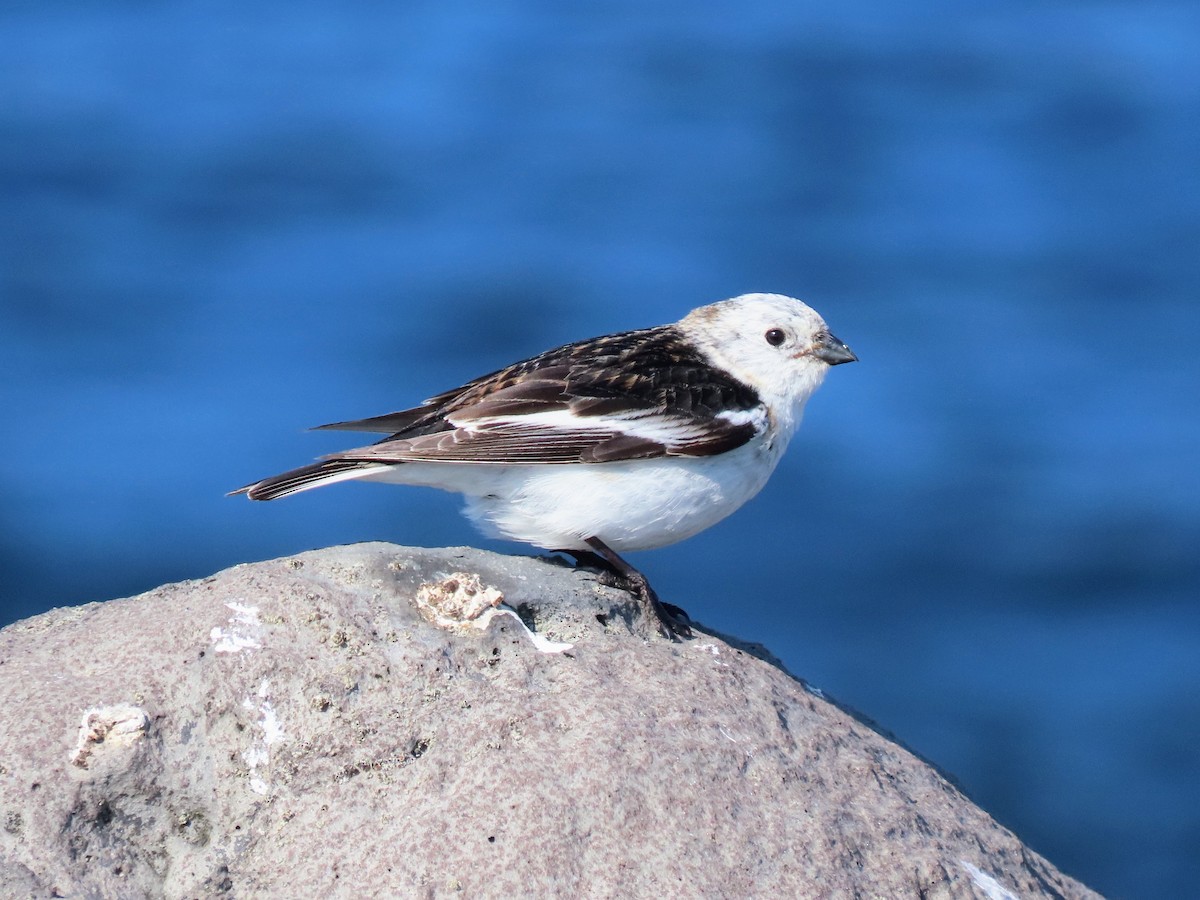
(223, 223)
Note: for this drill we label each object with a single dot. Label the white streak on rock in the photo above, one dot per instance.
(244, 633)
(541, 642)
(258, 755)
(992, 889)
(272, 730)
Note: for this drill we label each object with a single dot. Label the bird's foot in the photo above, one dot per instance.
(672, 621)
(678, 613)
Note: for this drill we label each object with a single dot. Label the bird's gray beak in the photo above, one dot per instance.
(832, 350)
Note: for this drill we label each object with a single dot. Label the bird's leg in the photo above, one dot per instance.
(605, 573)
(672, 621)
(618, 576)
(589, 559)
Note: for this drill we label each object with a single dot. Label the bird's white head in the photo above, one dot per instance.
(778, 345)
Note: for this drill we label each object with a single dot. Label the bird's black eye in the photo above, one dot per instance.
(775, 336)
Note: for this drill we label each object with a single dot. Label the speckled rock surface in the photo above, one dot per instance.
(304, 727)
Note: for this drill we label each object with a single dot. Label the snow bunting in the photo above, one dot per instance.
(625, 442)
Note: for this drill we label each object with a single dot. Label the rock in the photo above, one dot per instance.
(301, 727)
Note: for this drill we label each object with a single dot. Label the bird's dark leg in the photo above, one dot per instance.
(672, 621)
(589, 559)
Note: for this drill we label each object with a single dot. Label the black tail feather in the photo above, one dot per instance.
(301, 479)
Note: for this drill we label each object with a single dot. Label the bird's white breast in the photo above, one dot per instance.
(633, 505)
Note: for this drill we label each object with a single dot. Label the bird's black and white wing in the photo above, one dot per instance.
(635, 395)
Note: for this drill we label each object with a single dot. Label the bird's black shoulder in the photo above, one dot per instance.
(655, 368)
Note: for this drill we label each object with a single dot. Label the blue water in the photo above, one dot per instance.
(223, 224)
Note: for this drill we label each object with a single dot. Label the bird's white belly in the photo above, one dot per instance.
(634, 505)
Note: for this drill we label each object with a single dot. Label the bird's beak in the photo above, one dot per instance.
(832, 350)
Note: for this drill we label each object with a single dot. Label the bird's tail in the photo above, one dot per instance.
(327, 471)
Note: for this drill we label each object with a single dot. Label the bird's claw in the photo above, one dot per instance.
(673, 622)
